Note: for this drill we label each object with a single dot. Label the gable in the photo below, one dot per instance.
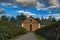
(30, 19)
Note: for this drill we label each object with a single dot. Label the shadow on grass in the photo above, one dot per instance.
(40, 37)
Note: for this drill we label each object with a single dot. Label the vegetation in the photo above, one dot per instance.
(40, 37)
(21, 17)
(52, 18)
(51, 31)
(8, 29)
(38, 19)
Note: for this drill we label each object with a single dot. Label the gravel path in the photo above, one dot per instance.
(28, 36)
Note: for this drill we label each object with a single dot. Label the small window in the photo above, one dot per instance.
(30, 19)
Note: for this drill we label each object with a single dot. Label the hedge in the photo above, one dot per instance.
(9, 30)
(51, 31)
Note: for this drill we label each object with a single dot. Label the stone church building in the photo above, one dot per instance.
(30, 24)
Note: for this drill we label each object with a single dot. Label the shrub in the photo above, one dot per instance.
(9, 30)
(51, 31)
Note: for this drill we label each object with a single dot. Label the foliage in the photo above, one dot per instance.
(9, 30)
(52, 18)
(4, 18)
(12, 18)
(21, 17)
(51, 31)
(40, 37)
(38, 19)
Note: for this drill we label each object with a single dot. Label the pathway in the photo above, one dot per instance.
(28, 36)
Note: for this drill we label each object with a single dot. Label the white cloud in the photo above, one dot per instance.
(54, 2)
(40, 6)
(9, 15)
(57, 16)
(26, 13)
(20, 11)
(15, 6)
(57, 6)
(26, 2)
(8, 4)
(2, 11)
(5, 4)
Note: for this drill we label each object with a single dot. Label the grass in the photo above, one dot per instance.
(40, 37)
(14, 38)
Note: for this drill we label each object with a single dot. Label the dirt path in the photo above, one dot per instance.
(28, 36)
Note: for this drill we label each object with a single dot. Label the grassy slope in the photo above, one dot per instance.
(39, 37)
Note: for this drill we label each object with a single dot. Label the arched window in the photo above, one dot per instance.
(30, 19)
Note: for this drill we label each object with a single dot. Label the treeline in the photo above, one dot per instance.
(8, 29)
(9, 18)
(22, 17)
(51, 31)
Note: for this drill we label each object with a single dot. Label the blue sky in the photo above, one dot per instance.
(40, 8)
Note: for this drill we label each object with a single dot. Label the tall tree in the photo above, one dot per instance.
(52, 18)
(21, 17)
(4, 18)
(12, 18)
(42, 18)
(38, 19)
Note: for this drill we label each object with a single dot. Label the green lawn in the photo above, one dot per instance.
(40, 37)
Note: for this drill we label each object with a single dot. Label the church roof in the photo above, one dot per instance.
(45, 22)
(18, 22)
(42, 22)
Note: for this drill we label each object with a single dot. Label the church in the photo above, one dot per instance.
(30, 24)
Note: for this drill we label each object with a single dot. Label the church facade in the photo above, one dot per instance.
(30, 24)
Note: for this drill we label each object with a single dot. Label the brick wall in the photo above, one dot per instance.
(27, 22)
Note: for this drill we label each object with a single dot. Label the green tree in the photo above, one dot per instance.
(38, 19)
(42, 18)
(4, 18)
(12, 18)
(21, 17)
(52, 18)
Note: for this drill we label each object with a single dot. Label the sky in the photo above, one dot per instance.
(35, 8)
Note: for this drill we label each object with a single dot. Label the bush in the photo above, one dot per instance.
(9, 30)
(51, 31)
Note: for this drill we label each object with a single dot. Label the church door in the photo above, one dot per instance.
(30, 27)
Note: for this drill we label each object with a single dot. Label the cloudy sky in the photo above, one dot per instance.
(36, 8)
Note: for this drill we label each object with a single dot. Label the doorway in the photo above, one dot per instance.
(30, 27)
